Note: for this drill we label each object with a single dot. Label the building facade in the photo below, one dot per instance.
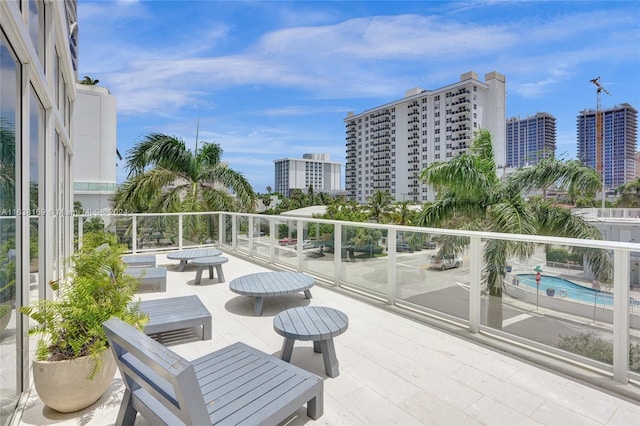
(315, 170)
(530, 139)
(38, 57)
(619, 141)
(388, 146)
(94, 156)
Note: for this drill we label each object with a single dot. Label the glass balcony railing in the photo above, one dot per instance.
(545, 300)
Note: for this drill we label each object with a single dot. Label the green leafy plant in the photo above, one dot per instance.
(7, 277)
(589, 345)
(96, 289)
(564, 256)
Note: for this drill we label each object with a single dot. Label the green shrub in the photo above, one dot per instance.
(96, 289)
(590, 346)
(564, 256)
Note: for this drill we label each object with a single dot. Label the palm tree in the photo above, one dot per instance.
(402, 214)
(324, 198)
(298, 199)
(470, 196)
(629, 194)
(165, 176)
(379, 205)
(572, 176)
(88, 81)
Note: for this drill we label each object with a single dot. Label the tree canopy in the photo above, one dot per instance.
(470, 196)
(165, 176)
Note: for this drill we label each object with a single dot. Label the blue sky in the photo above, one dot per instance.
(270, 79)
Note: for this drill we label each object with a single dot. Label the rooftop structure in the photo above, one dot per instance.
(393, 369)
(398, 364)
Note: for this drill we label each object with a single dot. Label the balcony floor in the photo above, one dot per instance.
(393, 371)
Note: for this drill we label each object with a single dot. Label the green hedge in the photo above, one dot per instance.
(563, 256)
(590, 346)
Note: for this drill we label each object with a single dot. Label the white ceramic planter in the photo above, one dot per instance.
(63, 385)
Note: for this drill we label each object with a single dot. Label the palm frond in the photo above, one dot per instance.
(139, 191)
(210, 154)
(157, 149)
(231, 179)
(451, 207)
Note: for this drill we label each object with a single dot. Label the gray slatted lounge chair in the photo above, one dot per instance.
(234, 385)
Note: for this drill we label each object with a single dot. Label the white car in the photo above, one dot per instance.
(446, 262)
(307, 244)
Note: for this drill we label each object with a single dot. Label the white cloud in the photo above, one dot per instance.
(353, 58)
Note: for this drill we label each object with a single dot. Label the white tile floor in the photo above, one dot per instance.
(393, 371)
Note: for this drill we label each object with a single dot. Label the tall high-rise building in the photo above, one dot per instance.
(387, 146)
(619, 141)
(313, 170)
(530, 139)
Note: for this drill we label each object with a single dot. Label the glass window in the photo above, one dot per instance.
(36, 146)
(11, 365)
(36, 27)
(57, 77)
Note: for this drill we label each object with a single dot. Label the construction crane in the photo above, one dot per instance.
(599, 134)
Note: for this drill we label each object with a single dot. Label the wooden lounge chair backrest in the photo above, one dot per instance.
(161, 384)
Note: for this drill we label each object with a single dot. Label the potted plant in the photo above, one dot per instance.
(73, 366)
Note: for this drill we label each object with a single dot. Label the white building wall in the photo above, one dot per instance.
(312, 169)
(424, 127)
(94, 159)
(495, 109)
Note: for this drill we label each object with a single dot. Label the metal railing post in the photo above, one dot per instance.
(272, 240)
(134, 234)
(621, 316)
(391, 267)
(250, 234)
(299, 242)
(180, 232)
(234, 232)
(337, 254)
(475, 285)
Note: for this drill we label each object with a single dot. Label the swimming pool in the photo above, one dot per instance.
(566, 289)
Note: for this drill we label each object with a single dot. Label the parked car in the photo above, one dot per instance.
(429, 245)
(446, 262)
(403, 248)
(288, 241)
(306, 244)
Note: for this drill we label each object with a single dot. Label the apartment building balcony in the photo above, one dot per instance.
(460, 111)
(460, 92)
(461, 101)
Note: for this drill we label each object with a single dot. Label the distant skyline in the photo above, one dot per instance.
(269, 79)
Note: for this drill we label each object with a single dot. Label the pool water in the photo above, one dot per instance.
(566, 289)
